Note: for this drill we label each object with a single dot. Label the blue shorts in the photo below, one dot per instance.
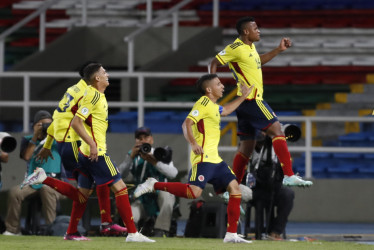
(253, 116)
(218, 174)
(102, 172)
(69, 157)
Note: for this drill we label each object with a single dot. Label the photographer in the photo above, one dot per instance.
(30, 146)
(267, 187)
(142, 163)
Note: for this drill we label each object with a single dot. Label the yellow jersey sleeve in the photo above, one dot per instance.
(229, 54)
(49, 141)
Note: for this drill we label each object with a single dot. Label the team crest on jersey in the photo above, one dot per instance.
(201, 178)
(222, 53)
(84, 111)
(195, 113)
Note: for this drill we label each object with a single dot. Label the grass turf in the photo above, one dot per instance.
(104, 243)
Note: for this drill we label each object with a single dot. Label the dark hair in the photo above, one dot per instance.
(89, 72)
(241, 22)
(202, 82)
(83, 66)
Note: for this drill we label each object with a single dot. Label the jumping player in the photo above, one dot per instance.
(254, 114)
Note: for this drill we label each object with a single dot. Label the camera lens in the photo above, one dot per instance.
(163, 154)
(45, 127)
(145, 148)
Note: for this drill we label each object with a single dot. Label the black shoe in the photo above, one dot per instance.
(160, 233)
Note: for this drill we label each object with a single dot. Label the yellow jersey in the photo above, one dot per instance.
(206, 130)
(93, 109)
(60, 129)
(245, 65)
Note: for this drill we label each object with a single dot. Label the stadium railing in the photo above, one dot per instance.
(141, 104)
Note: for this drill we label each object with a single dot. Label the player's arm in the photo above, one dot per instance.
(212, 67)
(284, 44)
(77, 125)
(231, 106)
(187, 132)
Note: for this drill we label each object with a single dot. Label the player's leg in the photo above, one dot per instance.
(85, 184)
(224, 177)
(280, 147)
(281, 150)
(124, 209)
(241, 158)
(247, 136)
(104, 172)
(199, 175)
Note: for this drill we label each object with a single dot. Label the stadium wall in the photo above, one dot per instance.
(328, 200)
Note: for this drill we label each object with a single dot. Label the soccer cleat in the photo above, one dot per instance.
(75, 236)
(295, 180)
(145, 187)
(35, 178)
(112, 230)
(234, 238)
(138, 237)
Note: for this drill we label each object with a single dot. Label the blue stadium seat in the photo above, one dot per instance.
(346, 165)
(360, 139)
(123, 122)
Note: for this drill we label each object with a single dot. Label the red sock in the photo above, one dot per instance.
(66, 189)
(76, 214)
(281, 150)
(239, 165)
(233, 213)
(124, 209)
(103, 195)
(176, 188)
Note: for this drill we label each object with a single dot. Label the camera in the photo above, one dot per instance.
(145, 148)
(291, 131)
(163, 154)
(45, 127)
(7, 142)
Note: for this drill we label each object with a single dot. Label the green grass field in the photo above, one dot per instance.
(104, 243)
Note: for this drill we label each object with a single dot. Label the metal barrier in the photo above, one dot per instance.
(141, 104)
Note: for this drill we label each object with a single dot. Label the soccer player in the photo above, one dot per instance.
(254, 113)
(68, 144)
(201, 129)
(90, 123)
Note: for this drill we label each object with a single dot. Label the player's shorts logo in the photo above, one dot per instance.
(195, 113)
(201, 178)
(84, 111)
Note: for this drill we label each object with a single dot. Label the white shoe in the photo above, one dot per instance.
(145, 187)
(35, 178)
(7, 233)
(138, 237)
(234, 238)
(295, 180)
